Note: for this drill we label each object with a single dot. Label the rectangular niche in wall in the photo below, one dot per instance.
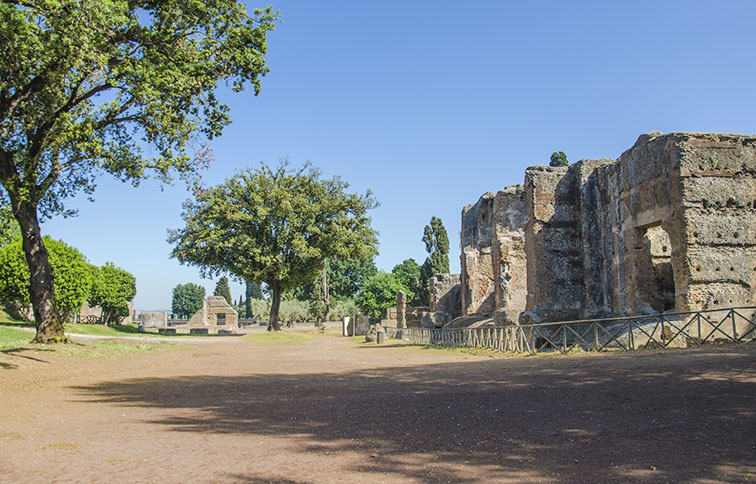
(656, 281)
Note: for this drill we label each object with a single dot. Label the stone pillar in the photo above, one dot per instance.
(401, 309)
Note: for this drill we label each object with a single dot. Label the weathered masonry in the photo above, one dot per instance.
(669, 226)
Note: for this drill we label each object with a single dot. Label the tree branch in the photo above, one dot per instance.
(9, 104)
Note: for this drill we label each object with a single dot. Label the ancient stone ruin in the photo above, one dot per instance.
(215, 316)
(669, 226)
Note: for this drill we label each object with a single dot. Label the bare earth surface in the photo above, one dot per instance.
(332, 410)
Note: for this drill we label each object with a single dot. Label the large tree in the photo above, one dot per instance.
(437, 245)
(345, 277)
(86, 84)
(276, 226)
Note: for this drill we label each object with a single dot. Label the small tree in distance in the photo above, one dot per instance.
(437, 245)
(187, 299)
(558, 158)
(222, 289)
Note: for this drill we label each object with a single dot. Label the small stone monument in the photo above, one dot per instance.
(401, 309)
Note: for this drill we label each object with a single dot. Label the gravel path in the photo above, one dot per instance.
(332, 410)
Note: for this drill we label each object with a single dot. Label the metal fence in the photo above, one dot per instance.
(694, 328)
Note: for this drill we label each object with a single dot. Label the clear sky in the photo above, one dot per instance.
(432, 103)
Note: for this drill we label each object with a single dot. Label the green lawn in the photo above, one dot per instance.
(278, 337)
(15, 339)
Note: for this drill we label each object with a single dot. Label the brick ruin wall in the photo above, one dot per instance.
(669, 226)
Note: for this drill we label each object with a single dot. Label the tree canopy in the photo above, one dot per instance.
(187, 299)
(558, 158)
(90, 83)
(112, 290)
(275, 226)
(9, 229)
(379, 293)
(409, 274)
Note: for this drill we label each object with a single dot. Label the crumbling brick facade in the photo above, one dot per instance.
(669, 226)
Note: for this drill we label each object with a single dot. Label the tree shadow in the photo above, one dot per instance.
(611, 418)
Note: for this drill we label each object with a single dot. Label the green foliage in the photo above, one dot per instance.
(409, 274)
(317, 306)
(91, 84)
(73, 277)
(260, 308)
(223, 289)
(251, 291)
(275, 226)
(345, 277)
(379, 293)
(437, 245)
(187, 299)
(558, 158)
(342, 308)
(9, 229)
(112, 290)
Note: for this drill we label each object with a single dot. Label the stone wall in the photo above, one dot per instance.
(215, 315)
(493, 262)
(445, 294)
(669, 226)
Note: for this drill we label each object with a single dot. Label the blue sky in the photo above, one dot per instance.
(432, 103)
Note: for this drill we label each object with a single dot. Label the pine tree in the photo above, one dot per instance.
(222, 289)
(437, 245)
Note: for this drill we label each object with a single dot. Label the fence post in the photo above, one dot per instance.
(630, 339)
(595, 337)
(734, 326)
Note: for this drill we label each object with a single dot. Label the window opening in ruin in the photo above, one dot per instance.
(657, 279)
(221, 319)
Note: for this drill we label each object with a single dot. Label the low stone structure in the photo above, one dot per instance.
(413, 316)
(669, 226)
(215, 316)
(153, 319)
(87, 312)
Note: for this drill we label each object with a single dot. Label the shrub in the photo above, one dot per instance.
(73, 277)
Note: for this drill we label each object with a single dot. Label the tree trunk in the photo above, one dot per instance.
(275, 305)
(326, 298)
(41, 290)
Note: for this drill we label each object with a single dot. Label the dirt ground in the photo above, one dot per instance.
(332, 410)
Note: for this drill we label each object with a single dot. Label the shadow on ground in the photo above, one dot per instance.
(640, 417)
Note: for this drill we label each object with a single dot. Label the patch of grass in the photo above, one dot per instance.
(61, 445)
(101, 330)
(11, 338)
(8, 317)
(278, 337)
(110, 348)
(18, 339)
